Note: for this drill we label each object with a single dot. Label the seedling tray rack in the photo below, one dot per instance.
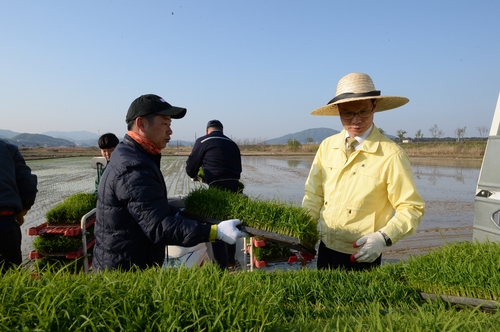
(283, 240)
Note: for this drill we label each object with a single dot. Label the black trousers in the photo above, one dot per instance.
(10, 243)
(229, 185)
(224, 254)
(331, 259)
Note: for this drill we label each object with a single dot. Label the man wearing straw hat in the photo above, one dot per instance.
(360, 186)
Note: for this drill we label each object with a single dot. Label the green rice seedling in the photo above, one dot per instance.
(459, 269)
(153, 300)
(206, 299)
(71, 210)
(55, 244)
(54, 249)
(271, 216)
(271, 251)
(201, 175)
(44, 264)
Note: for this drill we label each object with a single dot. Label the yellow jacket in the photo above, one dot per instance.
(373, 190)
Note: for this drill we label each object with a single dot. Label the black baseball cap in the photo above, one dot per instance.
(153, 104)
(214, 123)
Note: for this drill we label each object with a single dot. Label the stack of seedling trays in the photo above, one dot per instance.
(66, 239)
(265, 253)
(275, 222)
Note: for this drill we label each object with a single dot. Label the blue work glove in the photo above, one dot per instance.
(227, 231)
(372, 246)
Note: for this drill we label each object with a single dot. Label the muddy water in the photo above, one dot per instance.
(279, 178)
(447, 186)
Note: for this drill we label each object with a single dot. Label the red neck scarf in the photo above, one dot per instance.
(144, 142)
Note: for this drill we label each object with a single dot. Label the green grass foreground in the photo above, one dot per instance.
(207, 299)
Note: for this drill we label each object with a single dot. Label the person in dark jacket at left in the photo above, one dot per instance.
(18, 189)
(134, 221)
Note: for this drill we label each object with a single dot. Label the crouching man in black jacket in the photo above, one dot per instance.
(134, 220)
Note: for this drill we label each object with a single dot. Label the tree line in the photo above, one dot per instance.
(437, 134)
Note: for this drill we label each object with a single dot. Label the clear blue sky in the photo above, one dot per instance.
(260, 67)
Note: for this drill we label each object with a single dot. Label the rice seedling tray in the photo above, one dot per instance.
(269, 262)
(283, 240)
(300, 256)
(62, 229)
(487, 305)
(69, 255)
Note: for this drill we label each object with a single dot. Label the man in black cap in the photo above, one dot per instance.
(134, 219)
(220, 159)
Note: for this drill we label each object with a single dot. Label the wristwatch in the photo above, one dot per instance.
(388, 241)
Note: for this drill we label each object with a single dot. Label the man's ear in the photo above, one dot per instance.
(139, 123)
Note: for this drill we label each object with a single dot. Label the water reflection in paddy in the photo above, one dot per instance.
(448, 188)
(279, 178)
(447, 185)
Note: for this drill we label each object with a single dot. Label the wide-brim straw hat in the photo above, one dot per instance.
(358, 86)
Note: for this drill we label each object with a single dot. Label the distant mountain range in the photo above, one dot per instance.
(34, 140)
(50, 139)
(61, 138)
(315, 135)
(74, 136)
(85, 138)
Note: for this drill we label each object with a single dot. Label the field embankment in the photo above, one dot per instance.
(467, 150)
(62, 152)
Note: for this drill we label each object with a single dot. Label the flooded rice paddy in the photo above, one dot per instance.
(447, 186)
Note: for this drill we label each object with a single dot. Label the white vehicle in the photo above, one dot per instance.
(487, 200)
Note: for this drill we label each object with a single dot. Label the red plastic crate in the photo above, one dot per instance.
(259, 264)
(34, 255)
(304, 257)
(307, 257)
(258, 243)
(65, 229)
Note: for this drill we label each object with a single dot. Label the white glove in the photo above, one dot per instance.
(373, 244)
(227, 231)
